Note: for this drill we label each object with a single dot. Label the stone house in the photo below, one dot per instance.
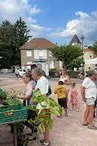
(37, 51)
(88, 54)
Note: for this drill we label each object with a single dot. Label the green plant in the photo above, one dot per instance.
(10, 98)
(66, 54)
(45, 107)
(3, 94)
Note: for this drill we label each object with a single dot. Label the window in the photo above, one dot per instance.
(52, 64)
(50, 53)
(40, 54)
(89, 68)
(29, 53)
(96, 65)
(29, 63)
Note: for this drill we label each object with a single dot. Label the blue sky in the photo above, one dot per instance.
(56, 20)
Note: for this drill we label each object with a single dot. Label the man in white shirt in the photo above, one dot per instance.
(89, 94)
(42, 85)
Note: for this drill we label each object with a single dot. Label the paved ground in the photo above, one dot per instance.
(67, 131)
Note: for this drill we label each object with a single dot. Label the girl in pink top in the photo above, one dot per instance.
(74, 97)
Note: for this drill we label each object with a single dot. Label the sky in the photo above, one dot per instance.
(55, 20)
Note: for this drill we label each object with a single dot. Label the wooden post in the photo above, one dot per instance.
(15, 134)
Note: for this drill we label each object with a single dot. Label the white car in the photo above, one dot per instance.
(20, 72)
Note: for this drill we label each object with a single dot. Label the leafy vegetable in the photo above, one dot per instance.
(12, 101)
(44, 107)
(9, 98)
(3, 94)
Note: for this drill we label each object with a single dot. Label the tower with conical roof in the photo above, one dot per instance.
(75, 41)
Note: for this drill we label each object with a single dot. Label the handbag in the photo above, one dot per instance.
(49, 90)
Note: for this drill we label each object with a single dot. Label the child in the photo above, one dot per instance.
(61, 92)
(74, 95)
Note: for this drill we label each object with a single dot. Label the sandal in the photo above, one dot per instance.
(92, 127)
(85, 124)
(49, 144)
(42, 141)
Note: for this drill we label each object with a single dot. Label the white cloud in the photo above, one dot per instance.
(36, 30)
(37, 27)
(40, 31)
(35, 10)
(13, 9)
(84, 24)
(30, 20)
(82, 14)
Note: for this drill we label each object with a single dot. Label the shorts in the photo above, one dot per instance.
(90, 101)
(63, 102)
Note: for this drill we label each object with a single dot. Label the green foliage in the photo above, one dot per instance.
(94, 47)
(20, 37)
(12, 101)
(45, 106)
(67, 54)
(9, 98)
(5, 43)
(12, 37)
(76, 63)
(53, 72)
(3, 94)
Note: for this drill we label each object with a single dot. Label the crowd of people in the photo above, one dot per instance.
(66, 92)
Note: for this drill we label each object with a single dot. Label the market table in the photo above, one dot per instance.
(12, 115)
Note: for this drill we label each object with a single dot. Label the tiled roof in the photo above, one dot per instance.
(38, 43)
(87, 50)
(75, 39)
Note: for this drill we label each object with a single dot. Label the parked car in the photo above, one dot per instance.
(20, 72)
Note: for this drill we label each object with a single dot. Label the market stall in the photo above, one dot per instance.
(12, 111)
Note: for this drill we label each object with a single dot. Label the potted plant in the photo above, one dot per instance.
(44, 107)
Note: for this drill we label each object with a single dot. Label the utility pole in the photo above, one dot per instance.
(82, 45)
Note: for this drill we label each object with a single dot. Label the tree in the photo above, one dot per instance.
(12, 37)
(5, 43)
(20, 37)
(94, 47)
(67, 54)
(76, 63)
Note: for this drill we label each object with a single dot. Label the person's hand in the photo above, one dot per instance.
(19, 96)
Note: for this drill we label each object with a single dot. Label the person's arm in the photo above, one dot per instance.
(85, 85)
(23, 96)
(83, 93)
(66, 92)
(76, 91)
(55, 91)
